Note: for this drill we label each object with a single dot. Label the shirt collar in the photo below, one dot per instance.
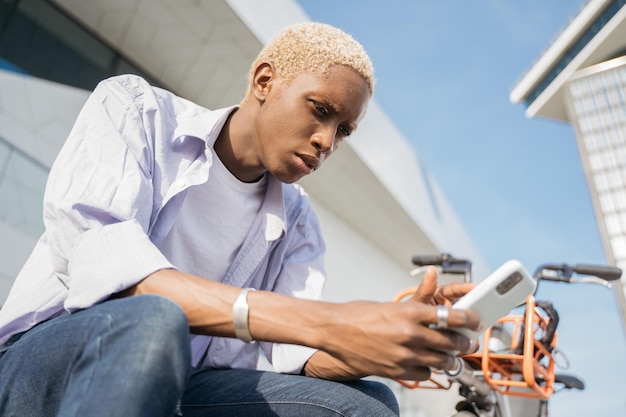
(194, 123)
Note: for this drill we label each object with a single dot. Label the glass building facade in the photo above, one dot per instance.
(581, 79)
(22, 183)
(39, 40)
(597, 108)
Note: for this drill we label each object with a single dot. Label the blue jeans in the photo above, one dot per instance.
(131, 357)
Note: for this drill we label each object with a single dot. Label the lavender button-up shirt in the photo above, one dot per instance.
(115, 191)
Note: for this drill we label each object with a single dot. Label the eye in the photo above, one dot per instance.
(344, 130)
(323, 111)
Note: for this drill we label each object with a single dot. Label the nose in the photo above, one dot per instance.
(324, 140)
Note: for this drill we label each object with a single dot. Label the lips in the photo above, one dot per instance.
(311, 162)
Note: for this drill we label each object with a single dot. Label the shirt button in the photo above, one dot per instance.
(179, 183)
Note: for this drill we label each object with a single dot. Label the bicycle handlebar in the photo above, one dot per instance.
(596, 274)
(439, 259)
(448, 263)
(608, 273)
(564, 272)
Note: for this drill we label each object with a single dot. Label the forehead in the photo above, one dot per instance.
(341, 88)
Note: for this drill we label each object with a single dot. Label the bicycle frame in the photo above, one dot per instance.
(526, 374)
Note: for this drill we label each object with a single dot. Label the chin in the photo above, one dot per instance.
(288, 179)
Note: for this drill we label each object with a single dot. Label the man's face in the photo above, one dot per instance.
(302, 122)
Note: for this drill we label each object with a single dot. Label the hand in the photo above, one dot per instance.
(395, 340)
(429, 292)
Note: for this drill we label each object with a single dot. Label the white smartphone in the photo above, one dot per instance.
(494, 297)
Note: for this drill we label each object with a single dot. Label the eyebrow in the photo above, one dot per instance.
(328, 102)
(331, 104)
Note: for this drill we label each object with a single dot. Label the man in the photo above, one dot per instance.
(163, 217)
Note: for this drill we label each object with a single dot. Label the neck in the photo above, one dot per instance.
(234, 148)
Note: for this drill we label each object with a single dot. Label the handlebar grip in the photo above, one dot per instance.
(609, 273)
(439, 259)
(456, 269)
(424, 260)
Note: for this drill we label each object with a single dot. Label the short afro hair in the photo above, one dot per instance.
(314, 47)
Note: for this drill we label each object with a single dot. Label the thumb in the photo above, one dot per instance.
(426, 290)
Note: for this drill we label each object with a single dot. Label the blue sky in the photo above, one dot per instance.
(445, 70)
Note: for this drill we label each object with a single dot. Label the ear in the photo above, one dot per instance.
(264, 74)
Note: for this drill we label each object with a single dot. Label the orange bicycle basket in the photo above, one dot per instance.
(527, 367)
(524, 369)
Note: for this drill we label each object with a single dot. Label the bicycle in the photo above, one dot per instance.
(518, 355)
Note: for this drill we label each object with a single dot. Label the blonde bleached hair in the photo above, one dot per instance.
(313, 47)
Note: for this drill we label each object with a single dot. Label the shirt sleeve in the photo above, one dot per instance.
(99, 197)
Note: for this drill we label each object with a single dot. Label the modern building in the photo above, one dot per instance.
(376, 201)
(581, 79)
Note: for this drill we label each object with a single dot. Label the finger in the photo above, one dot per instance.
(428, 359)
(456, 318)
(418, 373)
(426, 290)
(440, 299)
(453, 291)
(437, 358)
(449, 344)
(465, 318)
(443, 341)
(474, 346)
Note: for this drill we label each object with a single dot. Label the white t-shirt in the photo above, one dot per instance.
(214, 220)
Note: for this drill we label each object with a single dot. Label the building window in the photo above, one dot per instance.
(38, 39)
(22, 185)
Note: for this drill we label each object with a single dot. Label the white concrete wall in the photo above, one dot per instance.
(356, 268)
(37, 115)
(15, 246)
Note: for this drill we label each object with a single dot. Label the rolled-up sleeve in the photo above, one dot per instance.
(110, 259)
(99, 198)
